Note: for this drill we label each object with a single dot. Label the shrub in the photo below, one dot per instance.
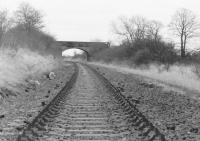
(113, 53)
(141, 52)
(143, 56)
(35, 40)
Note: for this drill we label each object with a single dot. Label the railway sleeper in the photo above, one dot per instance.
(48, 115)
(39, 126)
(154, 135)
(143, 126)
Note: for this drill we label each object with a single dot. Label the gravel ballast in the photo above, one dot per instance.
(175, 114)
(17, 111)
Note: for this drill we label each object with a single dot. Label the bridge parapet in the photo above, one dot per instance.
(88, 47)
(73, 44)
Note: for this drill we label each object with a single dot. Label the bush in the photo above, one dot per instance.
(141, 52)
(143, 56)
(113, 53)
(35, 40)
(24, 29)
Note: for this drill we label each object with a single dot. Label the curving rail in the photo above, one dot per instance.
(134, 117)
(35, 128)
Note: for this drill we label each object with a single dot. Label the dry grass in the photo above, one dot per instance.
(180, 75)
(16, 66)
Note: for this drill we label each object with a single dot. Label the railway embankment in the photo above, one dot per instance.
(174, 113)
(17, 111)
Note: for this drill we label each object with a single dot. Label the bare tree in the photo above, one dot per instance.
(137, 29)
(4, 23)
(29, 17)
(185, 25)
(132, 29)
(123, 29)
(139, 26)
(153, 32)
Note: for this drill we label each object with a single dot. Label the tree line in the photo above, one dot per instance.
(184, 25)
(24, 28)
(142, 41)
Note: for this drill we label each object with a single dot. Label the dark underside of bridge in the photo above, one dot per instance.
(89, 47)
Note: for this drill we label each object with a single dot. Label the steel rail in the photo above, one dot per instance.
(37, 126)
(136, 118)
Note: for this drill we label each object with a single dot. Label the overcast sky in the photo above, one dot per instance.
(86, 20)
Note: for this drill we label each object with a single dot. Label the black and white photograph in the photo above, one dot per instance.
(99, 70)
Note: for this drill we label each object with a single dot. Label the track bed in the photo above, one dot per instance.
(90, 108)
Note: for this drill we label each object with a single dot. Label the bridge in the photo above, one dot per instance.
(88, 47)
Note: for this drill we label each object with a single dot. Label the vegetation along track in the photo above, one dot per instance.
(93, 109)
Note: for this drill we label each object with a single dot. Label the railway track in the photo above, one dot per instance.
(89, 107)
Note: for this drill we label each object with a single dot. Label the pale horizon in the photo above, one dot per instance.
(91, 20)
